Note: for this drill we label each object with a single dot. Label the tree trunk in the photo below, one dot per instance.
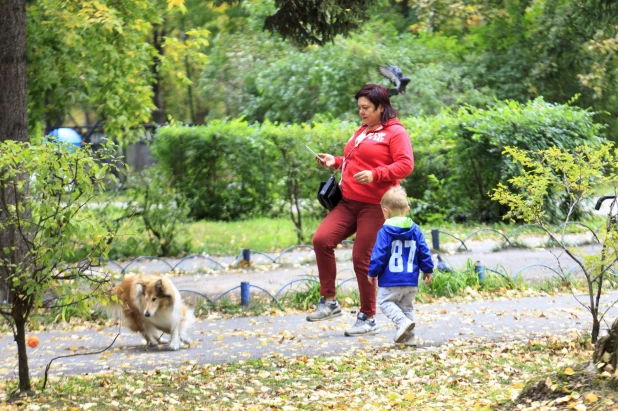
(596, 328)
(13, 126)
(13, 117)
(20, 317)
(13, 114)
(158, 114)
(404, 8)
(606, 350)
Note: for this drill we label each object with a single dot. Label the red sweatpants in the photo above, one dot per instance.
(347, 218)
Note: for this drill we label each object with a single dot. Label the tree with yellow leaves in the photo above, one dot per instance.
(580, 174)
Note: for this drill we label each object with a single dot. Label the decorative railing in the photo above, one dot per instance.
(243, 259)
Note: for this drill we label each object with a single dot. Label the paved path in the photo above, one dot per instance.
(301, 264)
(225, 340)
(229, 340)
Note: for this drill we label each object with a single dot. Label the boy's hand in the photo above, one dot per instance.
(428, 278)
(371, 279)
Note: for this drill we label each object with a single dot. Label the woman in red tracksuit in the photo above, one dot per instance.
(377, 157)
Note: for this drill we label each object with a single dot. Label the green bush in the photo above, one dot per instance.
(479, 164)
(231, 170)
(223, 168)
(459, 160)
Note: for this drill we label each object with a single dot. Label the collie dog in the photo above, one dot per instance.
(151, 304)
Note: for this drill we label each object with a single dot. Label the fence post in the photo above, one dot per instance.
(246, 255)
(480, 271)
(435, 239)
(245, 294)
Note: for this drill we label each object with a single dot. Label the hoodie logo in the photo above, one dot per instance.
(379, 137)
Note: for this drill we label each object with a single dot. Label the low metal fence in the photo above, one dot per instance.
(244, 258)
(508, 237)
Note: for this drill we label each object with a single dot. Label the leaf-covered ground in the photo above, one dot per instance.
(452, 377)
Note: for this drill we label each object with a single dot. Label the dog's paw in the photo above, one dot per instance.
(174, 345)
(187, 341)
(149, 342)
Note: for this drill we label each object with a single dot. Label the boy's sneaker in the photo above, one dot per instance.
(325, 310)
(410, 342)
(363, 326)
(404, 331)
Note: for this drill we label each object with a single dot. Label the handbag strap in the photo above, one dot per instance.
(364, 133)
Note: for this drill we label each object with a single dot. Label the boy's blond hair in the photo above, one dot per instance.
(395, 200)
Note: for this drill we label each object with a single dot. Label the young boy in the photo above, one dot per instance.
(400, 251)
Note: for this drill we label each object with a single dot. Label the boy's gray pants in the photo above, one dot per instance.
(397, 303)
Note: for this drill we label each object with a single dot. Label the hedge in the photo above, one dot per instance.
(232, 170)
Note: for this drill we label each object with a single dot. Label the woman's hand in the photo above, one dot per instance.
(364, 177)
(327, 160)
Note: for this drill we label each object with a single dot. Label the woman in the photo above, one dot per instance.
(377, 157)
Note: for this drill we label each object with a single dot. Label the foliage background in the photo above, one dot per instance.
(485, 75)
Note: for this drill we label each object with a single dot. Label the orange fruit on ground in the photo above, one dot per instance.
(32, 341)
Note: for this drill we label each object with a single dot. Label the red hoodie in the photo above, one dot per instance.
(386, 151)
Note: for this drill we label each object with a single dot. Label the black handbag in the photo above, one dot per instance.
(329, 193)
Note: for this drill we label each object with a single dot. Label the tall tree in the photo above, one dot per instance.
(315, 21)
(13, 126)
(178, 38)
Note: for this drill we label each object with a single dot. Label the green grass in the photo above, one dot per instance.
(217, 238)
(262, 234)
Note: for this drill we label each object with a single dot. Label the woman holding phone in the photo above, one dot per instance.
(377, 157)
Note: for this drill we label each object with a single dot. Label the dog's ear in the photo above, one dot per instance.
(141, 288)
(159, 288)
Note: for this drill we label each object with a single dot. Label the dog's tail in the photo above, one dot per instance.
(190, 317)
(114, 307)
(114, 310)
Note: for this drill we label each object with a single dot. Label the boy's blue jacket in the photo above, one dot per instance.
(400, 251)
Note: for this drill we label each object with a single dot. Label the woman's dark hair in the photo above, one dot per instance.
(378, 95)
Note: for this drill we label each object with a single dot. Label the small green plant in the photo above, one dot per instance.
(257, 306)
(162, 209)
(576, 175)
(304, 298)
(494, 281)
(44, 190)
(452, 284)
(201, 306)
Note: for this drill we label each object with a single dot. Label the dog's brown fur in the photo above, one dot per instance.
(152, 302)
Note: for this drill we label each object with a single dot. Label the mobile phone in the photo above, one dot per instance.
(314, 153)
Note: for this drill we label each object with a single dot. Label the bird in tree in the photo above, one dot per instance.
(394, 74)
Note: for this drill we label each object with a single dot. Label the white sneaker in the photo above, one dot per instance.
(403, 332)
(363, 326)
(410, 342)
(325, 310)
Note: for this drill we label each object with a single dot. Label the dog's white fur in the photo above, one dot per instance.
(151, 304)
